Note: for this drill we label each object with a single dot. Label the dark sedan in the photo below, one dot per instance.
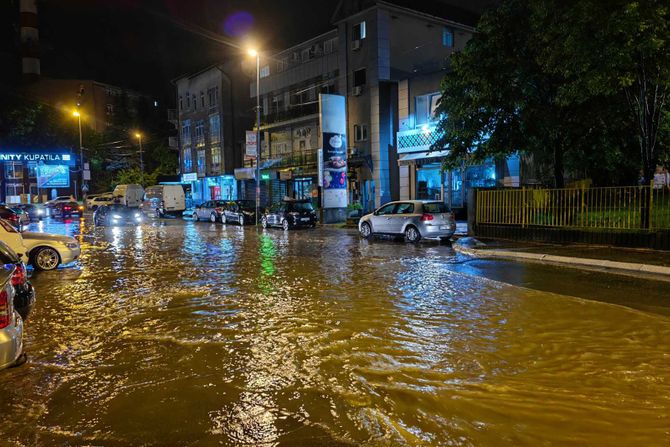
(34, 211)
(64, 209)
(240, 211)
(290, 214)
(117, 214)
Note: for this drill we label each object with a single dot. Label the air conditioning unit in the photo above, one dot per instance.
(358, 90)
(356, 45)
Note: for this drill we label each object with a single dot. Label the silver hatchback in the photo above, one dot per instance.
(414, 219)
(11, 324)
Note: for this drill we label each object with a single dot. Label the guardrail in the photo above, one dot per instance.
(638, 208)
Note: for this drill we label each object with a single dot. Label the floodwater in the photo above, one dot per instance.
(196, 334)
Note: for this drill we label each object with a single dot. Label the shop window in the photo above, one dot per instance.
(429, 183)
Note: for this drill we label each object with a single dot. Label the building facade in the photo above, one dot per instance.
(213, 110)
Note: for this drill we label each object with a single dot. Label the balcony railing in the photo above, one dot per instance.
(417, 140)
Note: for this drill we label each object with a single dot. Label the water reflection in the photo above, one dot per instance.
(183, 333)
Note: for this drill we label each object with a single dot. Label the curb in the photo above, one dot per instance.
(623, 267)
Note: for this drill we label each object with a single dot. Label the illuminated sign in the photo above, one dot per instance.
(30, 156)
(265, 176)
(53, 176)
(190, 177)
(333, 121)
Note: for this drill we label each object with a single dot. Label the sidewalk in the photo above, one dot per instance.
(639, 262)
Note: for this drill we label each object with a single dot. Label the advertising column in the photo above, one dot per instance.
(333, 120)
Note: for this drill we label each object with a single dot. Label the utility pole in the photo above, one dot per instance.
(81, 155)
(139, 137)
(257, 55)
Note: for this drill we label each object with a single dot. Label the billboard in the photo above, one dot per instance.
(333, 121)
(250, 144)
(53, 176)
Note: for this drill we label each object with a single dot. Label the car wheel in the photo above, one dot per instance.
(264, 222)
(241, 219)
(223, 219)
(212, 217)
(46, 258)
(412, 234)
(285, 225)
(365, 231)
(195, 216)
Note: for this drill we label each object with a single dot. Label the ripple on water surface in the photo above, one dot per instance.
(196, 334)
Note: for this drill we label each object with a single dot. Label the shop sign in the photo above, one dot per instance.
(190, 177)
(285, 175)
(251, 144)
(36, 156)
(245, 173)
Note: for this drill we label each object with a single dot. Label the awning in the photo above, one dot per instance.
(414, 157)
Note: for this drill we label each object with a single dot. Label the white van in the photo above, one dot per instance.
(129, 195)
(164, 199)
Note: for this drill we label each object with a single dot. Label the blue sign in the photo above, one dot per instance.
(46, 156)
(53, 176)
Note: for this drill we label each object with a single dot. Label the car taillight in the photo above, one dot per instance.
(5, 311)
(19, 276)
(426, 217)
(66, 208)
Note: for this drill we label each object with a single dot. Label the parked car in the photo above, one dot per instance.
(11, 324)
(93, 202)
(24, 293)
(163, 200)
(60, 199)
(64, 209)
(35, 211)
(211, 210)
(129, 195)
(117, 214)
(10, 216)
(413, 219)
(43, 251)
(240, 211)
(290, 214)
(24, 218)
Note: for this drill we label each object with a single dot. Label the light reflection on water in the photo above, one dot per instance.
(193, 333)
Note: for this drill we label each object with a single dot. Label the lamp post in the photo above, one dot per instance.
(81, 153)
(257, 55)
(139, 137)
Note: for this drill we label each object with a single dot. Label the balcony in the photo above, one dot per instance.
(289, 159)
(417, 140)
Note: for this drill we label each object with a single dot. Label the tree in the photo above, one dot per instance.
(503, 96)
(618, 47)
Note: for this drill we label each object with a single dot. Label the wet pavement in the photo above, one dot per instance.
(196, 334)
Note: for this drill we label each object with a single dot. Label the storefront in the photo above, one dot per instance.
(221, 187)
(30, 176)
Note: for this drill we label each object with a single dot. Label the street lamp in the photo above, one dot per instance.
(139, 137)
(77, 114)
(256, 54)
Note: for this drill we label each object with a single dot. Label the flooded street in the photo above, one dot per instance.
(197, 334)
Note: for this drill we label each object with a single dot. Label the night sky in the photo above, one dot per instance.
(144, 44)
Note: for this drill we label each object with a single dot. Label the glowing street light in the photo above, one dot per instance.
(139, 137)
(77, 115)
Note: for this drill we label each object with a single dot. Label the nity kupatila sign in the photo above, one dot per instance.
(47, 157)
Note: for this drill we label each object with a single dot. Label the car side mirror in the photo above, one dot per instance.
(375, 213)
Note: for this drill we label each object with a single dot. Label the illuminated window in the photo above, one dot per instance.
(265, 71)
(201, 162)
(199, 133)
(214, 128)
(358, 31)
(188, 161)
(186, 133)
(13, 170)
(216, 158)
(447, 37)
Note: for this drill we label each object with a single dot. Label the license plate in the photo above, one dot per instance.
(444, 227)
(305, 219)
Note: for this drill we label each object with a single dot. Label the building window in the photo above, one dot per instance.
(330, 45)
(195, 102)
(110, 109)
(359, 77)
(13, 170)
(447, 37)
(181, 103)
(360, 132)
(199, 133)
(425, 108)
(214, 128)
(32, 170)
(278, 104)
(265, 71)
(358, 31)
(13, 189)
(201, 162)
(202, 99)
(186, 133)
(216, 158)
(188, 161)
(188, 100)
(304, 55)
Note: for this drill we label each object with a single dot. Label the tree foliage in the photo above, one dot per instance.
(512, 89)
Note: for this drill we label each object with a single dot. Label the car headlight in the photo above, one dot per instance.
(72, 245)
(116, 216)
(138, 215)
(40, 211)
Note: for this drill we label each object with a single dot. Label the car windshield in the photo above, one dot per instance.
(435, 207)
(301, 206)
(247, 204)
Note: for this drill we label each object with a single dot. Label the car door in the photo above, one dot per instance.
(231, 211)
(381, 218)
(403, 213)
(11, 237)
(203, 212)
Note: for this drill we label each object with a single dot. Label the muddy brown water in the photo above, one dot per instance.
(198, 334)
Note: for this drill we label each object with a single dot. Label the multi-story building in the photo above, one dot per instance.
(388, 61)
(213, 110)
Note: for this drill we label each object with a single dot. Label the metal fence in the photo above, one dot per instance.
(639, 208)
